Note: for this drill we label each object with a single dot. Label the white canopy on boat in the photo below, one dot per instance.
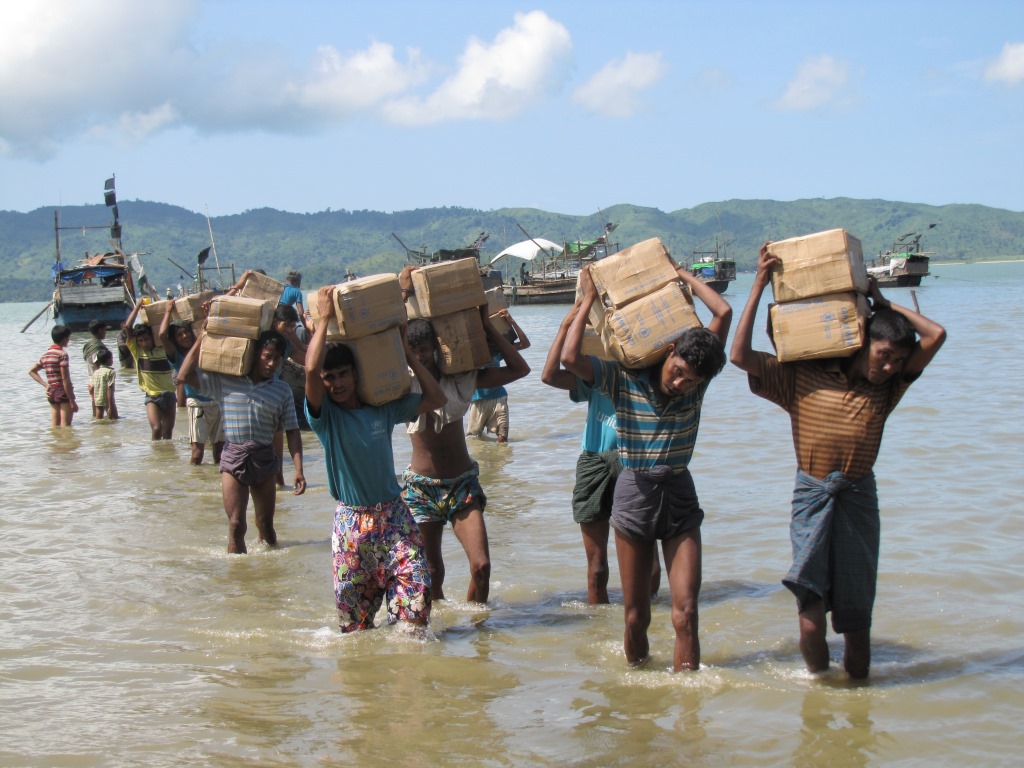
(529, 250)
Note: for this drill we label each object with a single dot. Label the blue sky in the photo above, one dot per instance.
(569, 107)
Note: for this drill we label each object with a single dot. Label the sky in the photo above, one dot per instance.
(225, 106)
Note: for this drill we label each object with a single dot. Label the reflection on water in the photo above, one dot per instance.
(130, 638)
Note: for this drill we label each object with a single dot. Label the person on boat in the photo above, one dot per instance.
(101, 386)
(657, 413)
(204, 418)
(378, 548)
(253, 408)
(292, 296)
(489, 409)
(837, 409)
(95, 345)
(155, 376)
(60, 393)
(597, 468)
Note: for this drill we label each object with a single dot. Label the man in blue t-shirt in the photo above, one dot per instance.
(378, 549)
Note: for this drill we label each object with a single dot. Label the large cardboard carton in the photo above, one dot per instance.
(495, 300)
(369, 305)
(502, 326)
(633, 272)
(383, 373)
(333, 331)
(449, 286)
(637, 334)
(261, 287)
(229, 355)
(817, 265)
(189, 308)
(462, 341)
(153, 314)
(238, 316)
(822, 326)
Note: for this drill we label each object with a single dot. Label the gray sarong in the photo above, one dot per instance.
(835, 532)
(250, 463)
(656, 505)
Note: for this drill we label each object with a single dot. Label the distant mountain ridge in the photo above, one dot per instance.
(324, 245)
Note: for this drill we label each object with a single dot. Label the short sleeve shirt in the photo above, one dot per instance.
(599, 433)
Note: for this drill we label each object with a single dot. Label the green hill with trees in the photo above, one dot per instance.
(325, 245)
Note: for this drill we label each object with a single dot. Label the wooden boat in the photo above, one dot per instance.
(554, 270)
(713, 268)
(904, 264)
(100, 286)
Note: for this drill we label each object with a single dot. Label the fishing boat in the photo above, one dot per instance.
(422, 257)
(904, 264)
(100, 286)
(713, 267)
(553, 269)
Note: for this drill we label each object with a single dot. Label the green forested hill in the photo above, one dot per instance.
(324, 245)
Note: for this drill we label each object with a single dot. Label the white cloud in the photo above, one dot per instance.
(819, 82)
(498, 81)
(1009, 66)
(614, 90)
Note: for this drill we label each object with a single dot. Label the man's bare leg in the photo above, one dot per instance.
(857, 656)
(813, 630)
(634, 558)
(432, 534)
(595, 544)
(471, 531)
(683, 562)
(264, 502)
(236, 499)
(167, 419)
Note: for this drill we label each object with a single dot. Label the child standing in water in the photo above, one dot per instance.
(101, 386)
(59, 392)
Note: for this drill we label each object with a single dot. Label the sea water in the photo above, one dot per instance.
(129, 637)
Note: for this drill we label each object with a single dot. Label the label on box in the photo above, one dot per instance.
(638, 333)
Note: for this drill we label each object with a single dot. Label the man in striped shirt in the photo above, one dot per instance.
(253, 408)
(838, 409)
(657, 413)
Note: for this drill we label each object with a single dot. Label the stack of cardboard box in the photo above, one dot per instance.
(367, 314)
(819, 289)
(450, 294)
(153, 314)
(189, 308)
(234, 325)
(261, 287)
(641, 307)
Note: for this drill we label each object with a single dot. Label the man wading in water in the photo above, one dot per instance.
(838, 409)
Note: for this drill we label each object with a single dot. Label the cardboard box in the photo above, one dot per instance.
(637, 334)
(261, 287)
(448, 287)
(189, 308)
(333, 331)
(369, 305)
(229, 355)
(383, 372)
(238, 316)
(412, 307)
(817, 265)
(593, 345)
(153, 314)
(495, 300)
(501, 325)
(462, 341)
(822, 326)
(633, 272)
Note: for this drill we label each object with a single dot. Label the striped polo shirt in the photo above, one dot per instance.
(650, 432)
(250, 411)
(837, 425)
(53, 359)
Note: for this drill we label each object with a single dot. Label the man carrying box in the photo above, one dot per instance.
(253, 408)
(657, 412)
(838, 409)
(378, 549)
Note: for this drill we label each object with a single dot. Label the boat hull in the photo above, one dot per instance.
(899, 281)
(77, 306)
(719, 286)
